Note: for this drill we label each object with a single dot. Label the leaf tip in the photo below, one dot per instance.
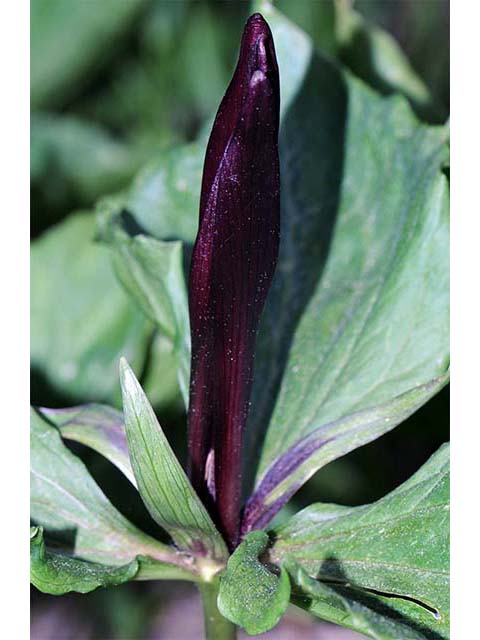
(123, 365)
(128, 379)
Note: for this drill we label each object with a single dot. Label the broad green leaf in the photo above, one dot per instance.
(70, 39)
(358, 311)
(75, 158)
(81, 319)
(164, 197)
(367, 613)
(57, 574)
(330, 441)
(251, 595)
(97, 426)
(151, 271)
(397, 546)
(66, 501)
(163, 485)
(315, 18)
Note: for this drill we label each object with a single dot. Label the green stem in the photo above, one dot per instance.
(216, 626)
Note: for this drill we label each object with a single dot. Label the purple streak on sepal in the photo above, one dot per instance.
(232, 267)
(97, 426)
(257, 513)
(104, 419)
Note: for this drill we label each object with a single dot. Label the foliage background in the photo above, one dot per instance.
(110, 88)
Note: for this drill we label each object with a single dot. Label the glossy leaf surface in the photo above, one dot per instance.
(358, 310)
(366, 613)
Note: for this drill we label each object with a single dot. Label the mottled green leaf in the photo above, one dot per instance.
(68, 503)
(81, 319)
(97, 426)
(57, 574)
(151, 271)
(70, 39)
(251, 595)
(397, 546)
(164, 487)
(358, 311)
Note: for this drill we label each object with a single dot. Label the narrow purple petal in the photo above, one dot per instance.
(232, 267)
(293, 468)
(96, 426)
(258, 512)
(256, 35)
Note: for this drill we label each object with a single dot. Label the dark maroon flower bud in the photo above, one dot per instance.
(232, 267)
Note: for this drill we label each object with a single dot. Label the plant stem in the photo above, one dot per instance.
(216, 626)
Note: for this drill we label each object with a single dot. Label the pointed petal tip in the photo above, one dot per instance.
(256, 27)
(256, 18)
(128, 380)
(257, 46)
(123, 365)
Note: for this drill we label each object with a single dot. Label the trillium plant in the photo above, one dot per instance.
(315, 322)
